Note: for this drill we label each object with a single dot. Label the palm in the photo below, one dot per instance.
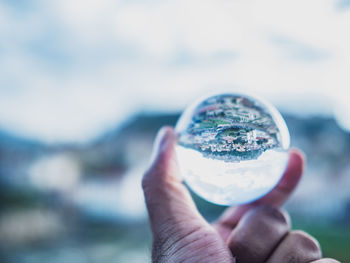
(197, 242)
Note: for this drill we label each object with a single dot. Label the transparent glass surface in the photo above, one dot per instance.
(232, 148)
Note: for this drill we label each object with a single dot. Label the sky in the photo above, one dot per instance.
(70, 70)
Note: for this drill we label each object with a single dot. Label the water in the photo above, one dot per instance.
(231, 148)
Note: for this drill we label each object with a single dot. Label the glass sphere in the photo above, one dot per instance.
(231, 148)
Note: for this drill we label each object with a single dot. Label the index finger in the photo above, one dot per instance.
(275, 198)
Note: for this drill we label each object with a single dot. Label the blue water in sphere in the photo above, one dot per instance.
(231, 148)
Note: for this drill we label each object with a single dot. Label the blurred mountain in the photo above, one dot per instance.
(125, 150)
(124, 146)
(11, 141)
(16, 154)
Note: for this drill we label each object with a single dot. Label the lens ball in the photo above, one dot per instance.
(231, 148)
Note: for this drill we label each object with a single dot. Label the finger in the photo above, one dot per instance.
(288, 182)
(325, 260)
(276, 197)
(168, 201)
(258, 233)
(296, 247)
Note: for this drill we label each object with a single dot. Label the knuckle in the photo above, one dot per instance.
(274, 214)
(241, 250)
(148, 177)
(145, 180)
(237, 244)
(148, 185)
(306, 241)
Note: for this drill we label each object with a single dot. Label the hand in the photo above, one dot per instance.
(253, 233)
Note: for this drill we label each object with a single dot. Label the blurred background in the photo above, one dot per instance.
(85, 85)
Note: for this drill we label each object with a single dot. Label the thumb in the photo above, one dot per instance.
(168, 201)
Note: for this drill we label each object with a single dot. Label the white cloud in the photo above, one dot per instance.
(202, 27)
(96, 62)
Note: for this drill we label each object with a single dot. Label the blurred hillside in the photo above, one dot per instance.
(65, 200)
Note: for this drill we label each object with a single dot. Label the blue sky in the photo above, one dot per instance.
(70, 70)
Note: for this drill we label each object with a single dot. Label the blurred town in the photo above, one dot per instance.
(83, 203)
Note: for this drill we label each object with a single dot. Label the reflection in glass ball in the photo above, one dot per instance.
(232, 148)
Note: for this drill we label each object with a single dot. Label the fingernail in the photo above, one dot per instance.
(161, 142)
(163, 138)
(298, 152)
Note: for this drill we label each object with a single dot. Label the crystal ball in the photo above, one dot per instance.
(231, 148)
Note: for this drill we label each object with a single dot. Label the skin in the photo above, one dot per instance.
(252, 233)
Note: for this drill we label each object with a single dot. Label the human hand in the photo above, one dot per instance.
(253, 233)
